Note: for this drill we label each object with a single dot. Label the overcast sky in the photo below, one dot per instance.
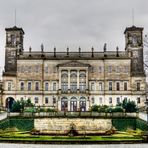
(72, 23)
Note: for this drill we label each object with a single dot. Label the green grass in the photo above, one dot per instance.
(26, 136)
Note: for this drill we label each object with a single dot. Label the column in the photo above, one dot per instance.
(78, 81)
(87, 80)
(78, 104)
(59, 79)
(68, 104)
(69, 80)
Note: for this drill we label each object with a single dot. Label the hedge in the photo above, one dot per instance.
(140, 124)
(4, 124)
(20, 124)
(124, 123)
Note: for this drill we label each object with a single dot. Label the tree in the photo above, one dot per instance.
(19, 106)
(129, 106)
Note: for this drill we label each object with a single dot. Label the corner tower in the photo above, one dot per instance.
(14, 47)
(134, 46)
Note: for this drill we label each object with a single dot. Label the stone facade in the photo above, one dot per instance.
(74, 81)
(82, 126)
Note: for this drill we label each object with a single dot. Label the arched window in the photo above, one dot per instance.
(64, 104)
(46, 86)
(64, 83)
(73, 104)
(9, 86)
(36, 86)
(82, 104)
(22, 86)
(82, 82)
(73, 82)
(29, 86)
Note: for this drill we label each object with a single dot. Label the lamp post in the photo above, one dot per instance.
(146, 105)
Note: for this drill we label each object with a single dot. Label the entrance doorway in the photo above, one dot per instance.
(64, 104)
(73, 104)
(9, 103)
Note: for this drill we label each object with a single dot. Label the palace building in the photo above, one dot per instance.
(74, 81)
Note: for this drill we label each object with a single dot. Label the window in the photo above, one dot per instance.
(100, 69)
(13, 39)
(46, 86)
(9, 86)
(54, 100)
(46, 100)
(138, 86)
(82, 82)
(36, 100)
(37, 68)
(138, 100)
(64, 82)
(100, 86)
(110, 69)
(29, 86)
(46, 69)
(110, 86)
(54, 86)
(22, 86)
(110, 100)
(93, 100)
(117, 69)
(36, 86)
(92, 86)
(100, 100)
(73, 81)
(118, 86)
(125, 85)
(118, 100)
(29, 69)
(126, 69)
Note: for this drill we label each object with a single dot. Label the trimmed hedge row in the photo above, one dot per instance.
(20, 124)
(4, 124)
(140, 124)
(124, 123)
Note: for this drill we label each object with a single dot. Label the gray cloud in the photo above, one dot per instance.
(72, 23)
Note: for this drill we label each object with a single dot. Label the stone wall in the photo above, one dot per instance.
(62, 125)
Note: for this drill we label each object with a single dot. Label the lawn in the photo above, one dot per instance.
(26, 136)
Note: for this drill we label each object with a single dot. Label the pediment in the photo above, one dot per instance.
(73, 64)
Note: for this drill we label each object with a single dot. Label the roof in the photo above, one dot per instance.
(133, 28)
(15, 28)
(74, 55)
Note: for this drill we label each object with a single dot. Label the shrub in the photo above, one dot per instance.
(109, 110)
(30, 110)
(50, 110)
(16, 107)
(19, 106)
(129, 106)
(94, 108)
(118, 109)
(42, 110)
(103, 109)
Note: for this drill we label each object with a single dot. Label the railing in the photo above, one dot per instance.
(74, 114)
